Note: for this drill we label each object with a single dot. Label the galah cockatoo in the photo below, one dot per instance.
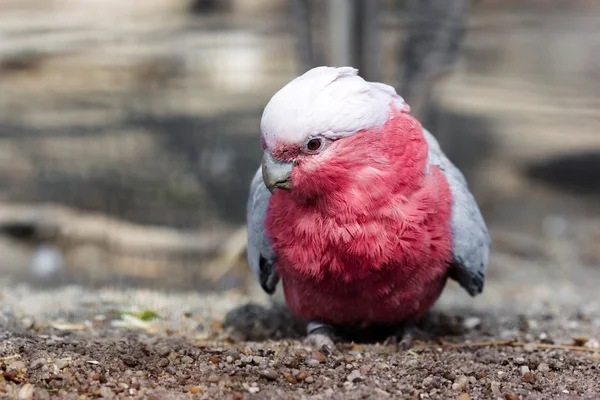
(357, 210)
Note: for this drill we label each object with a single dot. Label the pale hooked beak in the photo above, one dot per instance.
(276, 174)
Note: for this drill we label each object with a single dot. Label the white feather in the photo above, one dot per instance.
(327, 101)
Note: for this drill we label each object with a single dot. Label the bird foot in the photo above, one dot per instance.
(406, 336)
(320, 337)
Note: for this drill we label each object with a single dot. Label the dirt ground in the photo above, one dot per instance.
(76, 343)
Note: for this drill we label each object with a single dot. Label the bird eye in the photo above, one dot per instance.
(314, 144)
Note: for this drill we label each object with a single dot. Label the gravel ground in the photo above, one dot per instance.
(76, 343)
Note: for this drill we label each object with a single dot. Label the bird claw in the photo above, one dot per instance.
(406, 343)
(320, 337)
(406, 336)
(320, 342)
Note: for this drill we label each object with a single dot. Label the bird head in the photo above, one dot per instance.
(321, 128)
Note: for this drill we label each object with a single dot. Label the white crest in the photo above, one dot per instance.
(327, 101)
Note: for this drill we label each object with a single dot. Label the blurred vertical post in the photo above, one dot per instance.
(341, 28)
(300, 12)
(368, 23)
(435, 31)
(354, 35)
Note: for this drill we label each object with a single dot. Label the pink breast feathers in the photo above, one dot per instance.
(375, 258)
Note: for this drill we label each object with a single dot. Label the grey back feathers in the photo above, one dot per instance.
(471, 247)
(472, 242)
(260, 253)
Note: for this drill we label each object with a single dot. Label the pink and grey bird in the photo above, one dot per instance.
(356, 209)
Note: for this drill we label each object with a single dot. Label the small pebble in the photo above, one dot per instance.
(455, 386)
(290, 378)
(543, 367)
(246, 351)
(215, 359)
(354, 376)
(213, 378)
(302, 375)
(246, 359)
(520, 360)
(382, 366)
(17, 365)
(163, 362)
(269, 374)
(463, 382)
(254, 389)
(106, 392)
(312, 362)
(189, 360)
(41, 394)
(257, 360)
(381, 392)
(319, 356)
(164, 351)
(229, 359)
(450, 376)
(524, 369)
(463, 396)
(35, 364)
(427, 381)
(529, 377)
(495, 387)
(309, 379)
(129, 361)
(26, 392)
(194, 389)
(510, 396)
(529, 347)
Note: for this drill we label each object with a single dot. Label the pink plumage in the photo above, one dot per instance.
(377, 247)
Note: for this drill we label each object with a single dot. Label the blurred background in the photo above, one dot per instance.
(129, 130)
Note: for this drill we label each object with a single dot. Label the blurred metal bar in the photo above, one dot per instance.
(368, 19)
(341, 23)
(300, 14)
(354, 35)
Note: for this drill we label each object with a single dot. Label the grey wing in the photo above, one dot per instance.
(261, 257)
(472, 242)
